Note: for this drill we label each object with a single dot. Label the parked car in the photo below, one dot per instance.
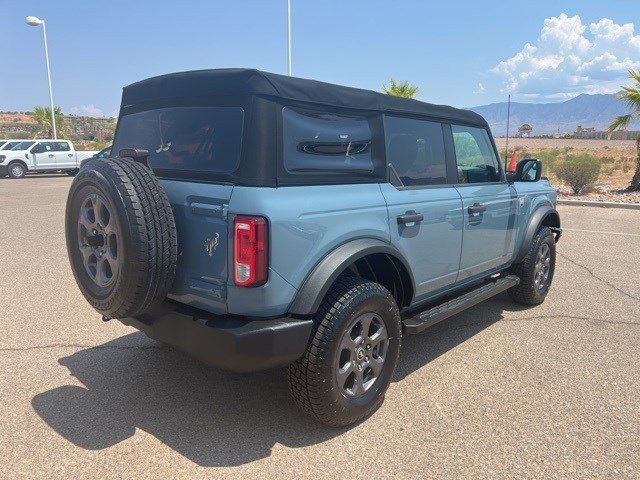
(257, 220)
(104, 153)
(41, 156)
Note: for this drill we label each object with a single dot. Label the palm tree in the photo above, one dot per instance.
(631, 94)
(400, 89)
(42, 116)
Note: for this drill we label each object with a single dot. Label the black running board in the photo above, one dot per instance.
(425, 319)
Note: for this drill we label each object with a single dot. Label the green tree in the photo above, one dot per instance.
(400, 89)
(42, 116)
(631, 94)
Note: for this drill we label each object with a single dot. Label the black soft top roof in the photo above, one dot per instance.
(243, 81)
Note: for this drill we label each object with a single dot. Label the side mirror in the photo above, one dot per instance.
(528, 170)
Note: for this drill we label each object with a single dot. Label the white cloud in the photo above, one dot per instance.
(480, 89)
(569, 58)
(89, 110)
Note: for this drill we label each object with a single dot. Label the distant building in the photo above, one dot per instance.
(593, 134)
(525, 131)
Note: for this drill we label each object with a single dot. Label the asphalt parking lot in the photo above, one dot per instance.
(498, 391)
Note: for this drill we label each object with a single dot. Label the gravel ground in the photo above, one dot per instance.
(599, 193)
(618, 196)
(498, 391)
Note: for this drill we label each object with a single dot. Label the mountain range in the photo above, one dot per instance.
(550, 118)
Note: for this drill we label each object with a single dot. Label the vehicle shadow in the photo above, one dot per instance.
(209, 416)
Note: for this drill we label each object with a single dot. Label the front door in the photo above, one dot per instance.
(489, 203)
(425, 210)
(44, 156)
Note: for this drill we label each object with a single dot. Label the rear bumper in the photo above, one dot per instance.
(4, 170)
(237, 344)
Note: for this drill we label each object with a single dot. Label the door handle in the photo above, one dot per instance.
(476, 208)
(51, 155)
(207, 210)
(410, 217)
(69, 154)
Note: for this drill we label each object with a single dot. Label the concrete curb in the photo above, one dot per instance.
(592, 203)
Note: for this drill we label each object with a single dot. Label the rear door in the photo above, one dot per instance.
(184, 144)
(489, 203)
(65, 156)
(425, 210)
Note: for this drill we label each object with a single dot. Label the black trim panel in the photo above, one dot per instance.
(315, 287)
(237, 344)
(535, 220)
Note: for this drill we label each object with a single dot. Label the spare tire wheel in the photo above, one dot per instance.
(121, 237)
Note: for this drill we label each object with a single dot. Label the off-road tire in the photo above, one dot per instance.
(148, 246)
(13, 166)
(311, 379)
(526, 292)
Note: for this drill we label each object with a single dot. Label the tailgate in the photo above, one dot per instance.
(200, 212)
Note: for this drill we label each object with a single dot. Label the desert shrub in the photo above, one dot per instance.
(577, 171)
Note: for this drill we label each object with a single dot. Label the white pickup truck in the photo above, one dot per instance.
(41, 156)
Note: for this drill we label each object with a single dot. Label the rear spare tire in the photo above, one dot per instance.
(121, 237)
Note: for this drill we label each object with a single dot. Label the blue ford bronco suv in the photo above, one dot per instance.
(257, 220)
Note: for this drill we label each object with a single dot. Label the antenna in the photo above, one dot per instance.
(289, 37)
(506, 148)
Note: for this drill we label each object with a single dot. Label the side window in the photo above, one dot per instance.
(475, 156)
(187, 139)
(320, 141)
(42, 147)
(415, 151)
(61, 147)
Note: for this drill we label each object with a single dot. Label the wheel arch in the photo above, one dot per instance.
(543, 216)
(20, 161)
(368, 258)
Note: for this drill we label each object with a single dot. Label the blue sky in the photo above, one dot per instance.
(452, 50)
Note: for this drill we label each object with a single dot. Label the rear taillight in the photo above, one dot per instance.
(249, 251)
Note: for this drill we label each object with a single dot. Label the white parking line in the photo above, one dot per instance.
(601, 232)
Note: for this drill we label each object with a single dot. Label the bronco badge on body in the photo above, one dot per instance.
(210, 244)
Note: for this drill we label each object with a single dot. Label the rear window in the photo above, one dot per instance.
(203, 139)
(317, 142)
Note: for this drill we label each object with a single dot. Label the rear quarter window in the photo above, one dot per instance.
(317, 141)
(185, 139)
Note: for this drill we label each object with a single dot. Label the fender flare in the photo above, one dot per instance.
(18, 160)
(536, 219)
(317, 283)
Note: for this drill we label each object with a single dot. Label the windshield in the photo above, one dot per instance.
(9, 145)
(23, 145)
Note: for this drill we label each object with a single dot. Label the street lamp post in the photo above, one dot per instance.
(34, 22)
